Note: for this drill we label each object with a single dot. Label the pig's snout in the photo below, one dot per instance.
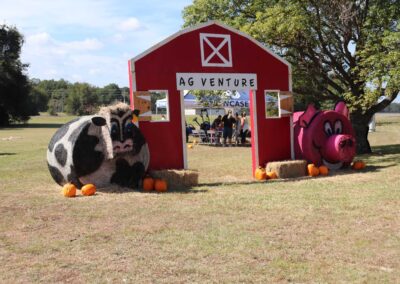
(346, 142)
(339, 148)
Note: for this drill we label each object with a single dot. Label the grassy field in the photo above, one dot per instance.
(335, 229)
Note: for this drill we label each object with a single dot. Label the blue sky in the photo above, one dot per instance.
(89, 40)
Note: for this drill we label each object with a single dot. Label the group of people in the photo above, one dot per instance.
(237, 126)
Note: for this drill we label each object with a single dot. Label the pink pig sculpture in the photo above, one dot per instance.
(324, 137)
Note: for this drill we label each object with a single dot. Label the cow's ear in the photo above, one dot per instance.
(99, 121)
(307, 116)
(341, 108)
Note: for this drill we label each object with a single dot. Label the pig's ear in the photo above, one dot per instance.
(307, 116)
(341, 108)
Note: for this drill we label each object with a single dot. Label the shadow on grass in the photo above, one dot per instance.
(217, 184)
(383, 154)
(342, 172)
(33, 125)
(386, 149)
(251, 182)
(121, 190)
(382, 123)
(7, 154)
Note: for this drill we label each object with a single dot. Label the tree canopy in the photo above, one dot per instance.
(15, 103)
(75, 98)
(339, 49)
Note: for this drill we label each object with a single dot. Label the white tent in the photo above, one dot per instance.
(189, 101)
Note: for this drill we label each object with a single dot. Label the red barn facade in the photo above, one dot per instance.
(212, 56)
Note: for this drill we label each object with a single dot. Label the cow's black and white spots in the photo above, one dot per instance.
(78, 148)
(101, 149)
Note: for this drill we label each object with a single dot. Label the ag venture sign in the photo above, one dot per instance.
(216, 81)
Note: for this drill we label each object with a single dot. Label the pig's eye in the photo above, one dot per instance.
(328, 128)
(338, 127)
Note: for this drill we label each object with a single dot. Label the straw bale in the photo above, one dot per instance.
(288, 169)
(177, 178)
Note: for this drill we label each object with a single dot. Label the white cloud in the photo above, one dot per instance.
(131, 24)
(38, 39)
(89, 40)
(87, 44)
(118, 37)
(42, 44)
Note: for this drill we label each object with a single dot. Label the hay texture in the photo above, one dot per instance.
(177, 179)
(288, 169)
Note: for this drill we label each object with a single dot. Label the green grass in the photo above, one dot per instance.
(335, 229)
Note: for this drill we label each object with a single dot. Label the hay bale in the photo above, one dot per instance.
(288, 169)
(177, 179)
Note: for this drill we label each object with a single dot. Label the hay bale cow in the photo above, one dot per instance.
(324, 137)
(131, 154)
(103, 149)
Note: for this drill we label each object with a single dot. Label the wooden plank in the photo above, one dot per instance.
(142, 102)
(286, 103)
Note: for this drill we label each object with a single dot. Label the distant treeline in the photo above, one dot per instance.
(54, 96)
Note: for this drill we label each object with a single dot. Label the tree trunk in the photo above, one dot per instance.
(4, 117)
(360, 124)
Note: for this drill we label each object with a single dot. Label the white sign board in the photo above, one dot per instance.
(216, 81)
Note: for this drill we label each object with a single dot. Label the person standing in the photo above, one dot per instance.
(228, 121)
(244, 128)
(216, 125)
(238, 127)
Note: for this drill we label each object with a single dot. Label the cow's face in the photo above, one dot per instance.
(126, 137)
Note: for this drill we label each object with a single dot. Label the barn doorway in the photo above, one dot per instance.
(218, 156)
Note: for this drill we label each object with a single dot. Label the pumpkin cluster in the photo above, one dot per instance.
(358, 165)
(69, 190)
(262, 174)
(314, 171)
(150, 184)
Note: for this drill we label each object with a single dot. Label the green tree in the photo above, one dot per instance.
(209, 98)
(109, 94)
(125, 94)
(15, 103)
(39, 98)
(339, 49)
(54, 91)
(82, 99)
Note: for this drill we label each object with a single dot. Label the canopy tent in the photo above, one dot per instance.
(233, 99)
(189, 101)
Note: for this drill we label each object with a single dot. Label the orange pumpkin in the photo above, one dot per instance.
(260, 174)
(313, 171)
(358, 165)
(148, 184)
(69, 190)
(160, 185)
(88, 189)
(272, 175)
(323, 170)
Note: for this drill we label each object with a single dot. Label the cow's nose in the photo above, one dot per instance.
(342, 143)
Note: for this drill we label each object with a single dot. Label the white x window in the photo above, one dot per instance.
(216, 50)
